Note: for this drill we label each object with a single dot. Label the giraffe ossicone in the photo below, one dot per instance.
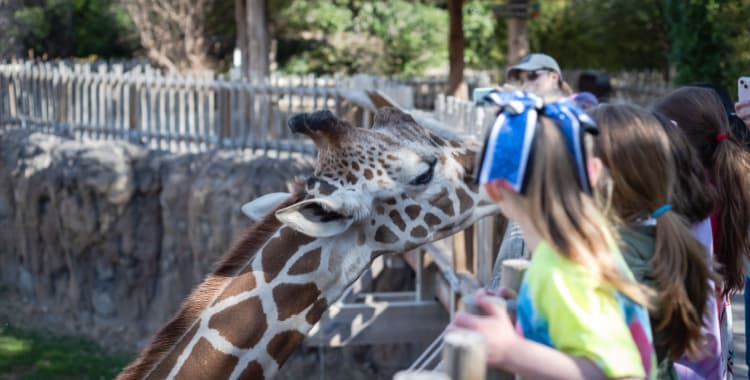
(385, 189)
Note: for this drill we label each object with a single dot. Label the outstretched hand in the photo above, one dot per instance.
(495, 326)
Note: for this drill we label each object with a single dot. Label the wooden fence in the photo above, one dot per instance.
(177, 113)
(195, 113)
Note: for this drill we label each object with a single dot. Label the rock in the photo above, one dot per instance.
(105, 238)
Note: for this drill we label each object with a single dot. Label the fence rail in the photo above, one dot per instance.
(195, 113)
(175, 113)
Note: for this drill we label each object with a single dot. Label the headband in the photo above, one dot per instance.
(509, 143)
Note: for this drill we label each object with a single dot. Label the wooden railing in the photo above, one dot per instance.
(178, 113)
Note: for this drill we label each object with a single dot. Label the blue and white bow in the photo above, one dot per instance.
(510, 141)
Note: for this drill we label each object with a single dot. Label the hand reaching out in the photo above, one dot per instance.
(496, 327)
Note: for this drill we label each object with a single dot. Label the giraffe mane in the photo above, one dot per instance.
(229, 265)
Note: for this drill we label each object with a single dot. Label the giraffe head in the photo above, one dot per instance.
(391, 187)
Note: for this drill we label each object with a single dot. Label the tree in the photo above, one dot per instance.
(64, 28)
(709, 40)
(176, 34)
(603, 34)
(253, 38)
(456, 42)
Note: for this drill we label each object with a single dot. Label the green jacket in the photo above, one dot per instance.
(637, 247)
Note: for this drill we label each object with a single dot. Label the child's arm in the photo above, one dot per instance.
(509, 351)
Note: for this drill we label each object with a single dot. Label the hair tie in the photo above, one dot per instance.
(721, 136)
(661, 210)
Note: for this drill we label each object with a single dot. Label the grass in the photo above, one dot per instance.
(26, 355)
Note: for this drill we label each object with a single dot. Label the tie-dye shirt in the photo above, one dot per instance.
(563, 306)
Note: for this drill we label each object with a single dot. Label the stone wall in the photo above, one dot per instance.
(105, 239)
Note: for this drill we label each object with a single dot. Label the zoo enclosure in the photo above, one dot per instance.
(178, 113)
(201, 112)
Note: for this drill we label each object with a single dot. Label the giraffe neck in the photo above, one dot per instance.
(263, 312)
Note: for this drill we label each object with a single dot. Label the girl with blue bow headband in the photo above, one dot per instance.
(579, 311)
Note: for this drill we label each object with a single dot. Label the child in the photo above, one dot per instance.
(693, 199)
(579, 310)
(700, 114)
(657, 242)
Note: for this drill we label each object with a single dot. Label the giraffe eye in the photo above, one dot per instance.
(425, 177)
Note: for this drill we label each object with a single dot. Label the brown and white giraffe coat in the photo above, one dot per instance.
(383, 190)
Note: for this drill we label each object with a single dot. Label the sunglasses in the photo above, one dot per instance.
(529, 77)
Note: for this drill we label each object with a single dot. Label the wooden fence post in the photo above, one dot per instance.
(420, 375)
(464, 355)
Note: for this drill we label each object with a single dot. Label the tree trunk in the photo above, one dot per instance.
(253, 38)
(518, 36)
(240, 13)
(456, 84)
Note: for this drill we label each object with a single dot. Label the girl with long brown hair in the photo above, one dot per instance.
(579, 310)
(701, 116)
(694, 200)
(657, 242)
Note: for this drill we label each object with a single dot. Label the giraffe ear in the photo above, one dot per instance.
(315, 217)
(259, 207)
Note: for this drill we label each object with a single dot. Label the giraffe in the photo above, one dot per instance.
(387, 189)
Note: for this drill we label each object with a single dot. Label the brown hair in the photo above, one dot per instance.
(700, 114)
(636, 150)
(567, 218)
(693, 197)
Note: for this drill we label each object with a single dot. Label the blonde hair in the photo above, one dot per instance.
(701, 116)
(569, 219)
(636, 150)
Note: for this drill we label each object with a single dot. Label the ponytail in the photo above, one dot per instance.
(731, 175)
(700, 114)
(680, 266)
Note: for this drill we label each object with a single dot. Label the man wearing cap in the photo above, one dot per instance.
(538, 73)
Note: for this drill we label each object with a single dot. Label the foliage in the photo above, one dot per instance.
(61, 28)
(486, 37)
(709, 40)
(396, 37)
(26, 355)
(385, 37)
(603, 34)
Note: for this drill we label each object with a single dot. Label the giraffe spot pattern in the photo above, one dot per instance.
(464, 200)
(413, 211)
(242, 324)
(280, 250)
(282, 345)
(316, 311)
(242, 283)
(390, 201)
(419, 232)
(351, 178)
(309, 262)
(165, 366)
(443, 202)
(253, 371)
(206, 362)
(292, 299)
(431, 219)
(397, 220)
(385, 235)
